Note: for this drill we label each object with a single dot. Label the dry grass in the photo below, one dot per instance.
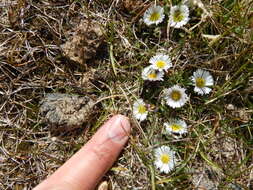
(219, 141)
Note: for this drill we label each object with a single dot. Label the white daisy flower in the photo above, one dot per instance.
(139, 110)
(165, 159)
(153, 15)
(175, 96)
(161, 62)
(202, 79)
(177, 126)
(179, 16)
(149, 73)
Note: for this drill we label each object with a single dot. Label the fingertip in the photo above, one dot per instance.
(125, 123)
(88, 165)
(119, 130)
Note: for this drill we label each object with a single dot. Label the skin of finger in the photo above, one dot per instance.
(84, 170)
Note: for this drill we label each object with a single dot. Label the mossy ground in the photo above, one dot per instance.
(220, 124)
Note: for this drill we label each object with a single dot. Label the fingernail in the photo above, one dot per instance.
(119, 130)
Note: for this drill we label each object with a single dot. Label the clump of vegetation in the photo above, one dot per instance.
(148, 51)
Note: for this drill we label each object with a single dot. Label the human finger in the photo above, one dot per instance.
(85, 168)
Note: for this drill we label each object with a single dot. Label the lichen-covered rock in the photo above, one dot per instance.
(64, 111)
(84, 42)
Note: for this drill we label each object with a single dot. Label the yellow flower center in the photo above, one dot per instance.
(178, 16)
(152, 75)
(154, 16)
(176, 127)
(175, 95)
(200, 82)
(142, 109)
(160, 64)
(165, 158)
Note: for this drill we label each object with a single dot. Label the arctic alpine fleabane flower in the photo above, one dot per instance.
(175, 96)
(140, 111)
(202, 80)
(161, 62)
(149, 73)
(176, 126)
(153, 15)
(179, 16)
(165, 159)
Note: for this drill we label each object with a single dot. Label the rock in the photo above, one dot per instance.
(84, 42)
(205, 179)
(103, 186)
(64, 111)
(235, 186)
